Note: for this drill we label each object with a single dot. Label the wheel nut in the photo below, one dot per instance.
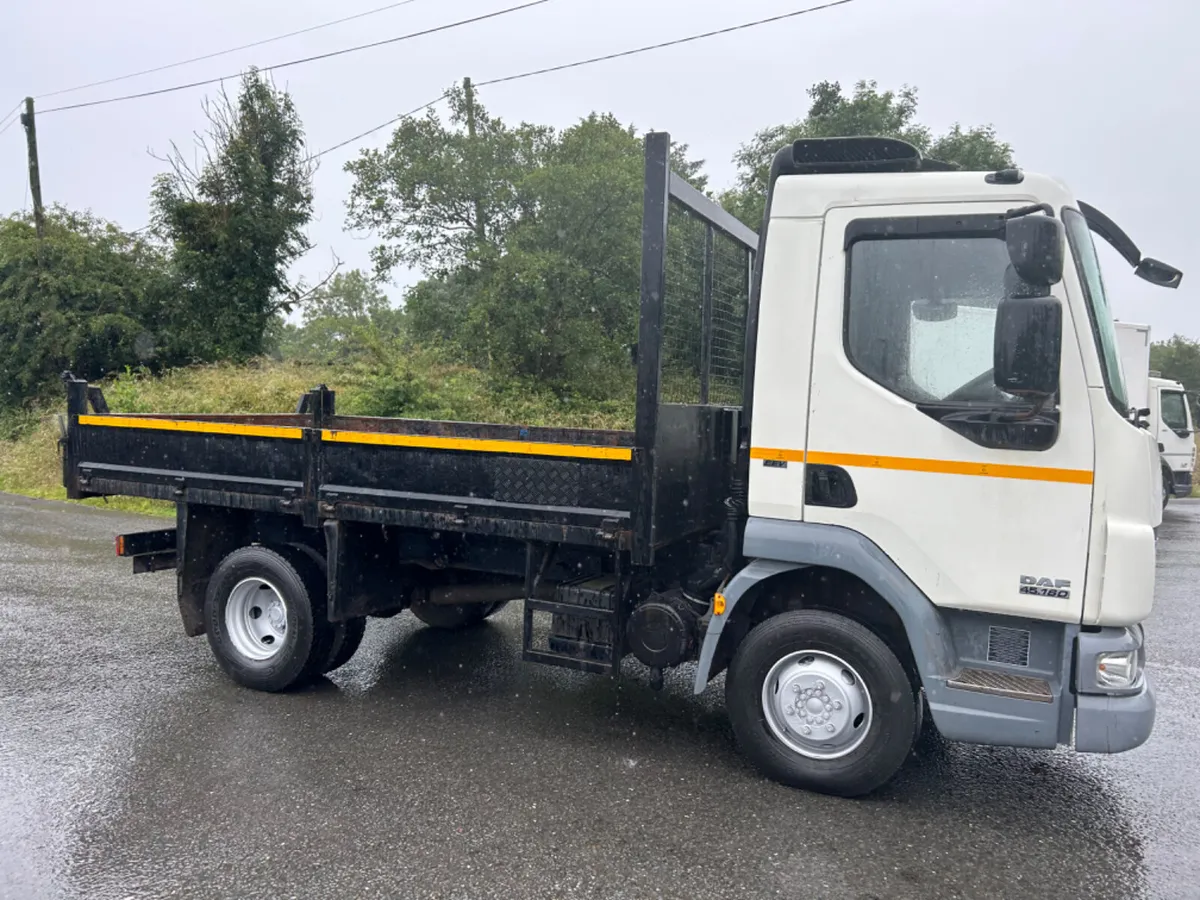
(791, 711)
(806, 730)
(829, 728)
(796, 688)
(837, 704)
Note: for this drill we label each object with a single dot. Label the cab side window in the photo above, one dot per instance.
(921, 315)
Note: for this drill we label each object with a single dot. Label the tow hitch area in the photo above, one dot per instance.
(151, 551)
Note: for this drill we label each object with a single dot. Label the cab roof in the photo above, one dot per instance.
(814, 175)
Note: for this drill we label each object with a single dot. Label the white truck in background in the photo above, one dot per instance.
(1162, 406)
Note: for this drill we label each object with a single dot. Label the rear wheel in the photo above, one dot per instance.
(266, 620)
(818, 701)
(455, 616)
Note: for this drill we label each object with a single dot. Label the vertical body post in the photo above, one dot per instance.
(655, 207)
(319, 403)
(77, 405)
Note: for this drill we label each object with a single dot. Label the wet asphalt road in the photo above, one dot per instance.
(441, 766)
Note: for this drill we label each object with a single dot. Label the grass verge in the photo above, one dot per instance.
(420, 386)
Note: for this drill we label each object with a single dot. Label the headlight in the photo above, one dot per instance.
(1118, 671)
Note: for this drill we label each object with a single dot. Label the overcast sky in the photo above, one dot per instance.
(1099, 93)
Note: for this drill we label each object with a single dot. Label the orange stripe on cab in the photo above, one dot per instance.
(933, 466)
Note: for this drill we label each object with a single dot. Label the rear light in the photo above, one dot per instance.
(120, 545)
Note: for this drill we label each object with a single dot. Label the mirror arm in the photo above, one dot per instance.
(1102, 225)
(1039, 406)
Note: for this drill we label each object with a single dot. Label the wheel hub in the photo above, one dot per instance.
(816, 704)
(256, 619)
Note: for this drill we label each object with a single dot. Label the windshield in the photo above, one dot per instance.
(1174, 411)
(1087, 265)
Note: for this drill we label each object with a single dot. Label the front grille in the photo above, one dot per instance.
(1008, 646)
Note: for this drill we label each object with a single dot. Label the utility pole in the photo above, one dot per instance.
(469, 90)
(35, 179)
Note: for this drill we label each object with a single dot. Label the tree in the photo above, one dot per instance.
(235, 221)
(88, 299)
(1179, 360)
(868, 111)
(340, 318)
(548, 287)
(439, 197)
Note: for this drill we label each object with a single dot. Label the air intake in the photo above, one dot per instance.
(1008, 646)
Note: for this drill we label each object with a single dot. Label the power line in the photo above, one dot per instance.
(195, 59)
(13, 114)
(392, 121)
(306, 59)
(660, 46)
(596, 59)
(10, 124)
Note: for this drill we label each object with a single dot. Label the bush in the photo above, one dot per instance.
(85, 298)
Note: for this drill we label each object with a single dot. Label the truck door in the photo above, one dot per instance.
(984, 504)
(1175, 435)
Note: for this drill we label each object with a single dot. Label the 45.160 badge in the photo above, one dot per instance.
(1046, 587)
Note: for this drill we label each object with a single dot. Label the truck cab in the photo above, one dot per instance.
(1170, 421)
(938, 412)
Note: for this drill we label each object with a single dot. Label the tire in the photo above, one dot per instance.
(455, 616)
(827, 659)
(1168, 485)
(347, 637)
(288, 640)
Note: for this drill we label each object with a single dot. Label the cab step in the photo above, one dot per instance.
(1003, 684)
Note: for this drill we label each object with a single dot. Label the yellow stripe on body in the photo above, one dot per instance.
(934, 466)
(194, 426)
(478, 445)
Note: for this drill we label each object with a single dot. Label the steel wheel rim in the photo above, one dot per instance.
(256, 619)
(817, 705)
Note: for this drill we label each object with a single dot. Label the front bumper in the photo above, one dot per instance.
(1111, 721)
(1107, 724)
(1183, 484)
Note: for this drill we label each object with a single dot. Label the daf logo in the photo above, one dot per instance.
(1046, 587)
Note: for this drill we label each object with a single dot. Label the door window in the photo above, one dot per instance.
(921, 316)
(1174, 410)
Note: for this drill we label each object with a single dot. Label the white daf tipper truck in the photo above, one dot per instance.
(1162, 407)
(881, 471)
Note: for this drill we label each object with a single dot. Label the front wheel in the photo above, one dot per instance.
(1168, 483)
(818, 701)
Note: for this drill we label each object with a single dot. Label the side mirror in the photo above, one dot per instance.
(1159, 273)
(1028, 346)
(1035, 248)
